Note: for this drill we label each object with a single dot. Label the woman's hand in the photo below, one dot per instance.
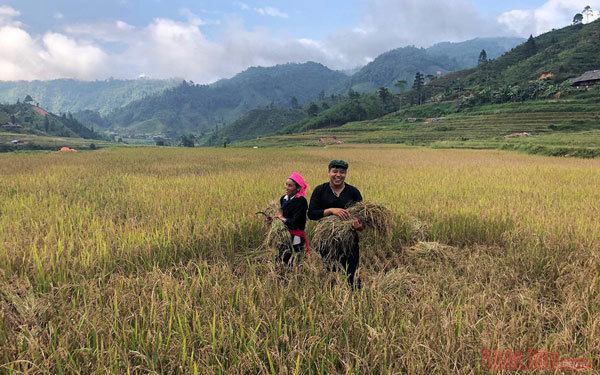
(280, 216)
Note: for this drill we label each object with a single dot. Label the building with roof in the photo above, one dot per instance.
(589, 78)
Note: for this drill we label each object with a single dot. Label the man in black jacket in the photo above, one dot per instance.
(332, 198)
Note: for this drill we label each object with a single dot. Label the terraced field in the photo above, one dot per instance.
(561, 127)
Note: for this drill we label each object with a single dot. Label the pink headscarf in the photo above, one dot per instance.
(297, 178)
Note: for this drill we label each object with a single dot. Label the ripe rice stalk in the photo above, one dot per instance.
(334, 237)
(373, 216)
(430, 249)
(397, 280)
(419, 229)
(278, 237)
(272, 210)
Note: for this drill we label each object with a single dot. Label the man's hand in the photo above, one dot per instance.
(339, 212)
(357, 225)
(280, 216)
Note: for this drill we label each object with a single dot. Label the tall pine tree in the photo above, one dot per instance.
(482, 57)
(418, 86)
(530, 47)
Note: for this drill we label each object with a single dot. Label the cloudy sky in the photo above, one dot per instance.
(204, 40)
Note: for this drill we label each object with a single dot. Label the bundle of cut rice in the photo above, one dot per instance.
(272, 209)
(430, 249)
(278, 237)
(373, 216)
(334, 237)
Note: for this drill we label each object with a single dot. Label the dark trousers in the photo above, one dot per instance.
(285, 255)
(347, 262)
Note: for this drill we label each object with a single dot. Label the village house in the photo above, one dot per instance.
(10, 125)
(589, 78)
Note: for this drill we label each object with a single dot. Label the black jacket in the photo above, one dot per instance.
(294, 211)
(323, 198)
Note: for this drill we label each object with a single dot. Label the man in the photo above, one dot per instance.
(332, 198)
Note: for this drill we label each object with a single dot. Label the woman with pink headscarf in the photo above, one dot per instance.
(293, 214)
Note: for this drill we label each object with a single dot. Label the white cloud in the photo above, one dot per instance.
(192, 18)
(388, 24)
(63, 56)
(243, 6)
(552, 14)
(6, 11)
(6, 16)
(51, 56)
(54, 56)
(59, 15)
(167, 48)
(270, 11)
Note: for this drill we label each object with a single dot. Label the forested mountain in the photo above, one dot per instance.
(190, 108)
(26, 118)
(399, 64)
(146, 106)
(256, 123)
(562, 54)
(69, 95)
(534, 69)
(403, 63)
(467, 53)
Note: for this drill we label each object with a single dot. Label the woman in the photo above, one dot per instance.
(293, 215)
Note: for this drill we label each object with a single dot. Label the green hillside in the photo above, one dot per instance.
(441, 58)
(69, 95)
(466, 53)
(556, 55)
(503, 103)
(566, 127)
(384, 71)
(190, 108)
(30, 120)
(257, 123)
(399, 64)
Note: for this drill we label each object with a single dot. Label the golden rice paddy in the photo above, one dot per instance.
(135, 261)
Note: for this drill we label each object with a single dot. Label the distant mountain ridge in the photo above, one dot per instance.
(201, 108)
(70, 95)
(190, 108)
(556, 55)
(466, 53)
(439, 59)
(175, 107)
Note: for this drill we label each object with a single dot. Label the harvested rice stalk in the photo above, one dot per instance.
(419, 229)
(430, 249)
(272, 210)
(395, 281)
(373, 216)
(334, 237)
(278, 237)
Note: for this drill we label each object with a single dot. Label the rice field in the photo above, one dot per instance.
(149, 261)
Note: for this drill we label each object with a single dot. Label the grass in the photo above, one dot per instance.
(134, 260)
